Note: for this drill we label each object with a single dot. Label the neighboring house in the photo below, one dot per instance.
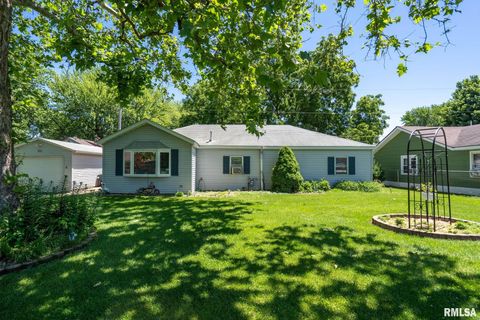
(463, 157)
(57, 161)
(207, 157)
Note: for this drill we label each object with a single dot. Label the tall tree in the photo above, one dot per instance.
(314, 103)
(465, 103)
(429, 116)
(81, 105)
(368, 120)
(138, 42)
(302, 96)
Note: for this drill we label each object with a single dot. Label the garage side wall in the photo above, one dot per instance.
(86, 168)
(39, 157)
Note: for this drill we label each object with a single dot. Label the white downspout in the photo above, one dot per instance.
(261, 168)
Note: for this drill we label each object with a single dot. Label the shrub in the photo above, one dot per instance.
(46, 220)
(371, 186)
(365, 186)
(378, 174)
(306, 187)
(179, 194)
(315, 186)
(347, 185)
(286, 176)
(321, 185)
(460, 226)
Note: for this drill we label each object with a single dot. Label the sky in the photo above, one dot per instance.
(431, 78)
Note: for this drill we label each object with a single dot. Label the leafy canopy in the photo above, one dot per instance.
(239, 47)
(368, 120)
(462, 109)
(81, 105)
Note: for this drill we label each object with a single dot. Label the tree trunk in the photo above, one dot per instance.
(7, 163)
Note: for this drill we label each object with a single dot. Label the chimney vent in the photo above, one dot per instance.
(211, 136)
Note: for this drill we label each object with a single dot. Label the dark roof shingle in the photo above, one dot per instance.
(457, 137)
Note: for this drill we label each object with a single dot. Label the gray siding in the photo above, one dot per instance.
(313, 164)
(86, 168)
(47, 150)
(123, 184)
(210, 169)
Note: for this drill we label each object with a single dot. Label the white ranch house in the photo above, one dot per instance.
(209, 157)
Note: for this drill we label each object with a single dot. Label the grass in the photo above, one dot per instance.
(255, 256)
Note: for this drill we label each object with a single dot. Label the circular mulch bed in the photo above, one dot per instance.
(20, 266)
(458, 229)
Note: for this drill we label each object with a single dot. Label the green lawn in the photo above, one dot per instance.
(253, 255)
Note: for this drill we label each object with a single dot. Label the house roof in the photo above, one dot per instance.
(74, 147)
(143, 123)
(273, 136)
(82, 141)
(466, 137)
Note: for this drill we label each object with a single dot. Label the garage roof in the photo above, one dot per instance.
(74, 147)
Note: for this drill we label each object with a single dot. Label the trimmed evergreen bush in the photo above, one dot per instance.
(286, 176)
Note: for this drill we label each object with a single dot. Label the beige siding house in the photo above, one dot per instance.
(209, 157)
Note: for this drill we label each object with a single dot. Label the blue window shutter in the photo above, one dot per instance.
(174, 164)
(226, 164)
(246, 164)
(119, 162)
(351, 165)
(331, 165)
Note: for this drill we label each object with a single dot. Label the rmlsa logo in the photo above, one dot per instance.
(459, 312)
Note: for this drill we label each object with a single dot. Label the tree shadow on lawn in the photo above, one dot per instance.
(183, 258)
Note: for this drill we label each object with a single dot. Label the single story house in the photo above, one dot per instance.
(209, 157)
(57, 161)
(463, 157)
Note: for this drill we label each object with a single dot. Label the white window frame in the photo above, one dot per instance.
(412, 156)
(157, 163)
(474, 173)
(346, 167)
(231, 166)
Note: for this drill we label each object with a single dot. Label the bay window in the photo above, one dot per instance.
(154, 162)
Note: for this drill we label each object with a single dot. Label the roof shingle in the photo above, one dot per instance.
(273, 136)
(457, 137)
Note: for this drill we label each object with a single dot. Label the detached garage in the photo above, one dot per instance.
(54, 161)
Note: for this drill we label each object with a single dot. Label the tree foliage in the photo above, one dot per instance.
(81, 105)
(286, 176)
(316, 94)
(319, 95)
(430, 116)
(462, 109)
(368, 120)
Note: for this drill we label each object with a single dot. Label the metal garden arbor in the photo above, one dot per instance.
(427, 178)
